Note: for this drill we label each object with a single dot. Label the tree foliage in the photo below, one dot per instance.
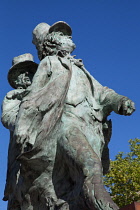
(123, 180)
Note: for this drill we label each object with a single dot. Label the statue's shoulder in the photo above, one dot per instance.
(49, 59)
(55, 60)
(14, 93)
(10, 94)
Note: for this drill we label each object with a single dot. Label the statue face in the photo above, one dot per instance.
(27, 79)
(24, 80)
(54, 43)
(66, 43)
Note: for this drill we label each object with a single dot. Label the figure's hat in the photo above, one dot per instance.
(62, 27)
(42, 29)
(20, 64)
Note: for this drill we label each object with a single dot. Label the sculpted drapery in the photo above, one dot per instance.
(59, 133)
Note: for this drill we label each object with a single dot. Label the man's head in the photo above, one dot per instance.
(22, 71)
(57, 43)
(51, 40)
(24, 80)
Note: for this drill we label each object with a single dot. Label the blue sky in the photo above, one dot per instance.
(107, 36)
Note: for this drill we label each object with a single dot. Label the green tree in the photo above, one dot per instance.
(123, 180)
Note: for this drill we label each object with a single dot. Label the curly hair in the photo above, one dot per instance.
(49, 45)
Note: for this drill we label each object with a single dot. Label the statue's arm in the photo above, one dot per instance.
(113, 101)
(10, 108)
(109, 99)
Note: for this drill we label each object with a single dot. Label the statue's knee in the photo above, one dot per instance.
(70, 133)
(72, 130)
(88, 173)
(92, 169)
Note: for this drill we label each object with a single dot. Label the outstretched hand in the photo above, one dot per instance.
(127, 107)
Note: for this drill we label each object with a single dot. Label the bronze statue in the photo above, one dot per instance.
(60, 131)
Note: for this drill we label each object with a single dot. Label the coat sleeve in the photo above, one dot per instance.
(110, 100)
(10, 108)
(106, 97)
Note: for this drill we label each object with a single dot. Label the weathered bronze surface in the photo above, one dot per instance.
(59, 132)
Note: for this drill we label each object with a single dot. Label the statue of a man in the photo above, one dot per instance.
(20, 78)
(62, 130)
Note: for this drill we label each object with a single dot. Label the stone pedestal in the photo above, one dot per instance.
(132, 206)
